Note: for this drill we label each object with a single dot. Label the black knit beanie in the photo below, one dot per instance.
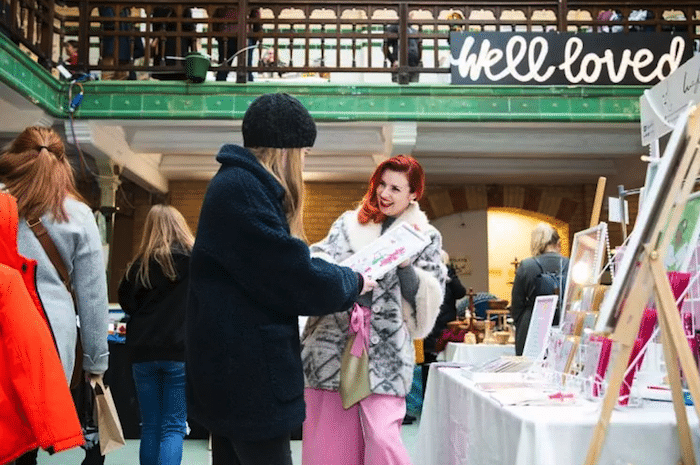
(278, 120)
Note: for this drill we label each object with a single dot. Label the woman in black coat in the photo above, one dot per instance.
(454, 290)
(251, 276)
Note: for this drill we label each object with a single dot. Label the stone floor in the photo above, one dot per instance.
(196, 452)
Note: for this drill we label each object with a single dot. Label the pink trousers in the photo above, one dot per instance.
(368, 433)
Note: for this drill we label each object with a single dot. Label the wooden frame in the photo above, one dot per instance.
(653, 219)
(586, 259)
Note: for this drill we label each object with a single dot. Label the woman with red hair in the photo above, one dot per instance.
(402, 307)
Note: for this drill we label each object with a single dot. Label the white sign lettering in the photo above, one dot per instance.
(528, 61)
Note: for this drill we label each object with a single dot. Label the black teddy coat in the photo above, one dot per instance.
(249, 280)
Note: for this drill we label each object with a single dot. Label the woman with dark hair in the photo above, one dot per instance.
(153, 293)
(454, 290)
(402, 307)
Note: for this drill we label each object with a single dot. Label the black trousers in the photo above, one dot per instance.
(27, 459)
(521, 328)
(92, 457)
(226, 451)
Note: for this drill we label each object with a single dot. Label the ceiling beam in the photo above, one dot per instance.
(107, 144)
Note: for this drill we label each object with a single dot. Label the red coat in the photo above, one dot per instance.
(36, 407)
(8, 249)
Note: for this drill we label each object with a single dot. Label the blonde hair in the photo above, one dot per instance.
(165, 229)
(542, 237)
(285, 165)
(36, 171)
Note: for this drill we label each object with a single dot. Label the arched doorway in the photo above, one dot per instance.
(508, 231)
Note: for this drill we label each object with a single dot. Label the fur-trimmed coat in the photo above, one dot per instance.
(394, 322)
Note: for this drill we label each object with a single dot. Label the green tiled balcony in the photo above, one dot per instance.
(329, 102)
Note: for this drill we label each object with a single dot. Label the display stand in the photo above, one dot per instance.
(649, 273)
(540, 326)
(675, 349)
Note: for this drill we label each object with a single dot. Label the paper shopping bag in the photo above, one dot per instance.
(354, 375)
(419, 351)
(108, 425)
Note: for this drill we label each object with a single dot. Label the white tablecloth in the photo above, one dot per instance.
(462, 425)
(476, 354)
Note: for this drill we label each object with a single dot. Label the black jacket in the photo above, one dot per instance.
(156, 329)
(523, 293)
(250, 279)
(454, 290)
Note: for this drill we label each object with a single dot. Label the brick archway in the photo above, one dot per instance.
(549, 201)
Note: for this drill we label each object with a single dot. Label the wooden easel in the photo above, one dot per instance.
(651, 273)
(675, 346)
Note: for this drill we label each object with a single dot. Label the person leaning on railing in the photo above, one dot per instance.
(163, 48)
(125, 56)
(391, 51)
(227, 41)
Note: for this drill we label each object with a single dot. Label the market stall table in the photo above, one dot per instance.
(476, 354)
(462, 425)
(120, 380)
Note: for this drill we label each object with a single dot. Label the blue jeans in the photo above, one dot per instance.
(160, 386)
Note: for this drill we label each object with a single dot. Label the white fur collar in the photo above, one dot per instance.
(361, 235)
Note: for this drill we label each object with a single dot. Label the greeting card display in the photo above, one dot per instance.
(395, 246)
(691, 303)
(506, 368)
(562, 349)
(595, 354)
(573, 323)
(540, 325)
(685, 238)
(590, 349)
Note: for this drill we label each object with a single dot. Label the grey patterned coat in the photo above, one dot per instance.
(394, 322)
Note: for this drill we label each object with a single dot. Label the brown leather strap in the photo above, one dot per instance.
(54, 255)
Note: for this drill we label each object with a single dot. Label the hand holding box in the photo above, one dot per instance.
(395, 246)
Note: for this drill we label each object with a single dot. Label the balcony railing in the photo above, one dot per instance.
(131, 39)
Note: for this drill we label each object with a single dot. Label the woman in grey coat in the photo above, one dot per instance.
(36, 171)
